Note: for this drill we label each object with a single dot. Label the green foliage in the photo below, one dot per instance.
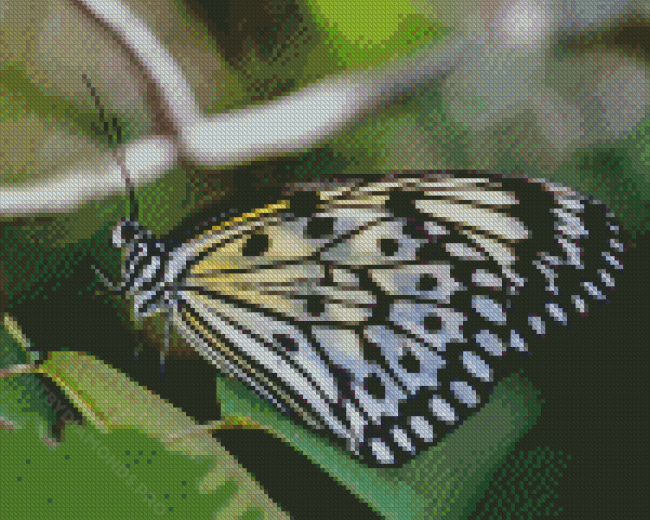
(123, 474)
(620, 177)
(23, 404)
(526, 486)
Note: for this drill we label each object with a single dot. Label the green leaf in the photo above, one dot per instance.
(23, 402)
(110, 402)
(442, 481)
(125, 474)
(365, 32)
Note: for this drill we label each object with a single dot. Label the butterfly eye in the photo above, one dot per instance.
(256, 245)
(128, 233)
(124, 233)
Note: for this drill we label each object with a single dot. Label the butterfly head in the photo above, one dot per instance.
(127, 233)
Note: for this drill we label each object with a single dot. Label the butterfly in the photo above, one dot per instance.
(380, 310)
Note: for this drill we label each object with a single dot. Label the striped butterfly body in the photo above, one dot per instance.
(380, 310)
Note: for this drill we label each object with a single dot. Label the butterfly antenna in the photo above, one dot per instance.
(99, 106)
(133, 205)
(115, 289)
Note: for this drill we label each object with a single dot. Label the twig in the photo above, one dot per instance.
(293, 124)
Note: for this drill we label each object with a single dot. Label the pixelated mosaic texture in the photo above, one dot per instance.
(397, 128)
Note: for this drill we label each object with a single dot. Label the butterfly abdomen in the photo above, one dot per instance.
(382, 310)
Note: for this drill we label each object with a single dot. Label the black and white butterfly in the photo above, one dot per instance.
(381, 310)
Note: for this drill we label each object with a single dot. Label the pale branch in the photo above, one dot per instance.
(295, 123)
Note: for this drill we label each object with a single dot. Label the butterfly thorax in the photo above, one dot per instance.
(146, 260)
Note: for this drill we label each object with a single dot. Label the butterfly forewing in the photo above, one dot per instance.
(381, 309)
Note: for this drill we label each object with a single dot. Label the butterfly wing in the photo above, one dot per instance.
(381, 309)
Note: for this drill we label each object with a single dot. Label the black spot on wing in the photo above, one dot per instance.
(304, 202)
(427, 283)
(432, 324)
(374, 387)
(319, 227)
(388, 246)
(315, 305)
(256, 245)
(410, 363)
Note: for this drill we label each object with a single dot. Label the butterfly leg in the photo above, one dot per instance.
(115, 289)
(163, 354)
